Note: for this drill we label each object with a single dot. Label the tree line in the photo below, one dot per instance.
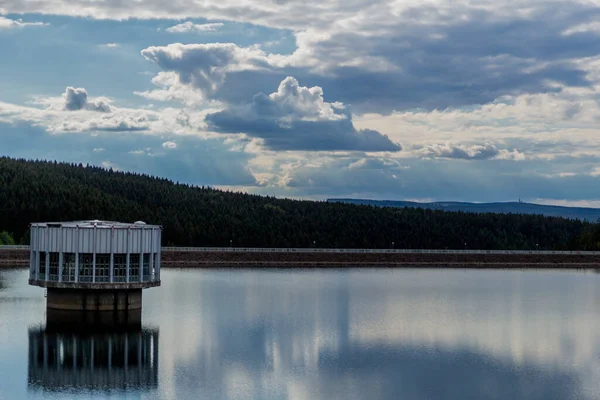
(38, 191)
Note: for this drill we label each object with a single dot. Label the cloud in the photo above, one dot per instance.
(171, 89)
(110, 165)
(77, 99)
(7, 23)
(298, 118)
(374, 163)
(205, 66)
(169, 145)
(110, 45)
(283, 14)
(139, 152)
(189, 26)
(478, 80)
(485, 151)
(441, 179)
(590, 27)
(439, 57)
(75, 112)
(109, 123)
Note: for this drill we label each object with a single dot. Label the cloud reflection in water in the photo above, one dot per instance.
(415, 334)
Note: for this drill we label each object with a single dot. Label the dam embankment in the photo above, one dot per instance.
(264, 257)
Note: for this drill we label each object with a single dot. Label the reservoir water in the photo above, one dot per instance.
(319, 334)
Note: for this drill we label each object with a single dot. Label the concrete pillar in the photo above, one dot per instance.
(60, 266)
(94, 258)
(47, 266)
(77, 254)
(47, 254)
(141, 276)
(37, 265)
(38, 249)
(60, 255)
(158, 260)
(32, 260)
(127, 256)
(112, 256)
(151, 263)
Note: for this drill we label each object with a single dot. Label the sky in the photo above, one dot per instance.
(469, 100)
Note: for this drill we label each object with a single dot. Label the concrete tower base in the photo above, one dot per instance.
(94, 300)
(93, 321)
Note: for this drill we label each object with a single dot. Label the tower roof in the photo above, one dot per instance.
(94, 223)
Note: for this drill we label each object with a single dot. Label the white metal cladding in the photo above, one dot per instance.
(65, 246)
(72, 239)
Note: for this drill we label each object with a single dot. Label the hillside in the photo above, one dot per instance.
(194, 216)
(582, 213)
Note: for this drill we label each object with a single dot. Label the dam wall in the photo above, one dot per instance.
(313, 257)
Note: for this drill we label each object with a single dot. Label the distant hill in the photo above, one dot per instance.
(582, 213)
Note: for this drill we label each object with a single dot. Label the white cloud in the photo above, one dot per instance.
(139, 152)
(169, 145)
(593, 27)
(374, 163)
(110, 165)
(111, 45)
(146, 151)
(99, 149)
(7, 23)
(485, 151)
(74, 112)
(109, 123)
(299, 102)
(189, 26)
(171, 89)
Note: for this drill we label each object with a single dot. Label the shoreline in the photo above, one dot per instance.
(223, 258)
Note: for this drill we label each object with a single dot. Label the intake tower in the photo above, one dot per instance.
(94, 265)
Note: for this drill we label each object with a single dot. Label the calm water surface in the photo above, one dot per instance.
(325, 334)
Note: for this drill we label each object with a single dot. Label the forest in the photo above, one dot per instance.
(39, 191)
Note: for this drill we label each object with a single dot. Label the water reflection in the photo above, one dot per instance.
(318, 335)
(378, 335)
(93, 352)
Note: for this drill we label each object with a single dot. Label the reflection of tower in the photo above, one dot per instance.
(122, 359)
